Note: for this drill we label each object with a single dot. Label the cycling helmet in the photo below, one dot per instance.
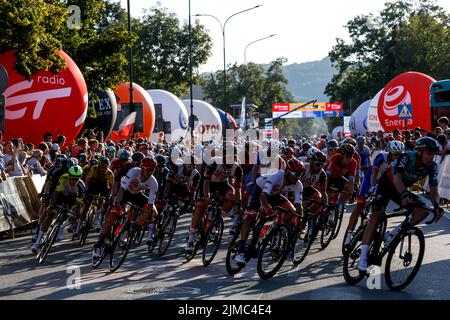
(351, 141)
(104, 160)
(294, 166)
(124, 154)
(319, 157)
(311, 151)
(137, 157)
(289, 152)
(93, 162)
(306, 146)
(97, 156)
(427, 143)
(74, 161)
(82, 157)
(75, 172)
(332, 144)
(59, 160)
(161, 160)
(396, 147)
(291, 141)
(361, 140)
(111, 149)
(347, 148)
(148, 163)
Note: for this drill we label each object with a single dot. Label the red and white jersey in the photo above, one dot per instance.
(133, 183)
(274, 184)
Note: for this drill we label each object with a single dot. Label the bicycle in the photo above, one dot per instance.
(304, 237)
(397, 248)
(124, 236)
(277, 241)
(50, 236)
(166, 225)
(210, 231)
(258, 230)
(94, 210)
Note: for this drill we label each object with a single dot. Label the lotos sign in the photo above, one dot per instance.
(46, 103)
(405, 102)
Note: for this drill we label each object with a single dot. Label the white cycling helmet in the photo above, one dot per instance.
(396, 147)
(311, 151)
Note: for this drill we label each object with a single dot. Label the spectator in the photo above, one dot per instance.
(34, 163)
(80, 148)
(443, 123)
(45, 160)
(161, 136)
(30, 149)
(438, 131)
(48, 137)
(54, 152)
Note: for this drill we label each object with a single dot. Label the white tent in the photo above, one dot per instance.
(207, 123)
(170, 115)
(358, 120)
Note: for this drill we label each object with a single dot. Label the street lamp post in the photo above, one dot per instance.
(222, 27)
(191, 118)
(245, 65)
(130, 65)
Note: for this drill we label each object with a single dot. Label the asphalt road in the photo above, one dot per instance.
(146, 276)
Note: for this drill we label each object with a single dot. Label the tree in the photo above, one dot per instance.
(260, 87)
(161, 56)
(36, 29)
(406, 36)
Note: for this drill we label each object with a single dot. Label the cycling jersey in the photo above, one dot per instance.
(133, 184)
(364, 153)
(178, 176)
(315, 180)
(336, 170)
(406, 165)
(67, 189)
(356, 157)
(274, 184)
(224, 173)
(268, 163)
(96, 176)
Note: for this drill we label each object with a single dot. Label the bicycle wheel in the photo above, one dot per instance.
(273, 252)
(232, 252)
(213, 239)
(328, 225)
(304, 241)
(96, 262)
(139, 236)
(167, 232)
(198, 240)
(406, 252)
(48, 241)
(351, 258)
(120, 247)
(87, 226)
(340, 210)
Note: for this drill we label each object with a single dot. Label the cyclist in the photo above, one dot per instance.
(403, 172)
(111, 152)
(373, 173)
(364, 153)
(331, 148)
(99, 181)
(132, 188)
(161, 172)
(120, 167)
(342, 164)
(314, 180)
(267, 193)
(223, 176)
(69, 189)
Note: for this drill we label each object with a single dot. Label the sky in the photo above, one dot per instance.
(306, 30)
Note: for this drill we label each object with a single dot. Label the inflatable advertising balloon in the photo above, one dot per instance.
(227, 120)
(405, 102)
(373, 122)
(55, 103)
(145, 112)
(171, 116)
(207, 124)
(358, 120)
(105, 106)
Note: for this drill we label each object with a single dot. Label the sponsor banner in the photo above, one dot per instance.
(347, 132)
(373, 122)
(405, 102)
(48, 102)
(318, 110)
(268, 123)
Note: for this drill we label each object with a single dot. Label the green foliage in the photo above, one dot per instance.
(260, 87)
(161, 56)
(406, 36)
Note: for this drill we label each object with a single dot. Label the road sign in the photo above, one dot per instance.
(3, 79)
(405, 111)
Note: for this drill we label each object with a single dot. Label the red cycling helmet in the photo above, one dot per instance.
(148, 163)
(294, 166)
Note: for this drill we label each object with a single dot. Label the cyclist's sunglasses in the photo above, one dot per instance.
(318, 164)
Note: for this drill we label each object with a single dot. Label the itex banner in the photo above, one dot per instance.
(318, 109)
